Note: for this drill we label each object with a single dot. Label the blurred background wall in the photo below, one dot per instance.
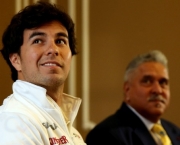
(109, 35)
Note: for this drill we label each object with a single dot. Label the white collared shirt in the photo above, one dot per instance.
(30, 117)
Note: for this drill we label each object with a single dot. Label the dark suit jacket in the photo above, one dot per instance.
(125, 128)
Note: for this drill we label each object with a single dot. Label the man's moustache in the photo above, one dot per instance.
(155, 97)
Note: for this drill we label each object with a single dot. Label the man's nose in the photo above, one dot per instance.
(156, 88)
(53, 49)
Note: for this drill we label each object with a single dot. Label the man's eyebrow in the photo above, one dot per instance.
(164, 79)
(36, 34)
(147, 76)
(43, 34)
(62, 34)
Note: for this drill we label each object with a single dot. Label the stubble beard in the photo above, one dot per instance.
(52, 84)
(47, 82)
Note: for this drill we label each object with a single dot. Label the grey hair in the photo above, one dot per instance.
(151, 56)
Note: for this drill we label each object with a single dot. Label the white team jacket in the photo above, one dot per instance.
(30, 117)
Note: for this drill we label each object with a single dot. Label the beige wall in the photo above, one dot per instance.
(118, 30)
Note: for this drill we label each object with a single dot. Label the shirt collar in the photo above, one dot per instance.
(37, 95)
(146, 122)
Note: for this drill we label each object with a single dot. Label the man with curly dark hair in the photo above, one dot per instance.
(38, 46)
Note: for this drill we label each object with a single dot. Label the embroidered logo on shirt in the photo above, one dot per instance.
(47, 125)
(60, 141)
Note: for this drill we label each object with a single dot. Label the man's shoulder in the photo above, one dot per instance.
(10, 122)
(16, 127)
(114, 129)
(10, 104)
(12, 109)
(13, 118)
(169, 124)
(108, 122)
(121, 118)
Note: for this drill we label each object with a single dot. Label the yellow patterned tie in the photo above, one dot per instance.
(157, 128)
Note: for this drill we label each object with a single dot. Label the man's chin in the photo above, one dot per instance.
(158, 111)
(51, 81)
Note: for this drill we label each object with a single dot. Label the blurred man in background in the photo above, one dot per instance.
(146, 97)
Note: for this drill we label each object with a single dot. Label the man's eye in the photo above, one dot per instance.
(60, 41)
(37, 41)
(163, 82)
(146, 81)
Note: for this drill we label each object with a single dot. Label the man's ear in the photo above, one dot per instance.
(15, 61)
(126, 88)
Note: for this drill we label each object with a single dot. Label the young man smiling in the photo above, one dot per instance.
(38, 45)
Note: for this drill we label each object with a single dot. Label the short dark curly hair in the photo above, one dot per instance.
(33, 16)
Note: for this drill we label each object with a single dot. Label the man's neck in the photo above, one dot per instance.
(143, 118)
(55, 93)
